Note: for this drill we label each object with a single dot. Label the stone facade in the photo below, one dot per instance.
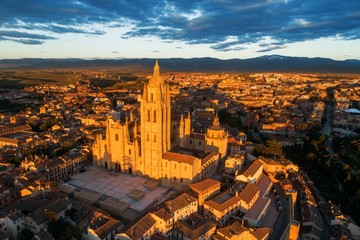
(144, 148)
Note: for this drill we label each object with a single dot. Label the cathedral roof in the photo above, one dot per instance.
(178, 157)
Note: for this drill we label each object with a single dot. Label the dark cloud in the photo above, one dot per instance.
(23, 37)
(194, 22)
(16, 34)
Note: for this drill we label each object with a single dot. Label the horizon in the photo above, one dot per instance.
(222, 29)
(166, 58)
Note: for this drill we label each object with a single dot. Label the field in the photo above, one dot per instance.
(103, 79)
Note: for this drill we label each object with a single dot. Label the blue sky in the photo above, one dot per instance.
(179, 28)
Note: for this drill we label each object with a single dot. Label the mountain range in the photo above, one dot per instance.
(268, 63)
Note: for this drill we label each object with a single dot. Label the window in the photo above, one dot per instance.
(147, 137)
(148, 116)
(154, 119)
(185, 168)
(154, 138)
(199, 143)
(151, 97)
(175, 166)
(116, 137)
(190, 141)
(129, 151)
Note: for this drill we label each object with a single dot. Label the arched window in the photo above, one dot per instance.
(151, 97)
(116, 137)
(148, 116)
(129, 151)
(154, 119)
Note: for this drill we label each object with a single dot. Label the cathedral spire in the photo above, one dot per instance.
(216, 120)
(156, 78)
(156, 69)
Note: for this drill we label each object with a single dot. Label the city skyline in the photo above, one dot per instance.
(222, 29)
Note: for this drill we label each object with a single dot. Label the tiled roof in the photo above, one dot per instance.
(254, 167)
(234, 229)
(181, 158)
(223, 201)
(204, 185)
(163, 214)
(261, 233)
(195, 226)
(141, 227)
(179, 202)
(249, 192)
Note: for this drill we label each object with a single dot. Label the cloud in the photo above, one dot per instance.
(16, 34)
(193, 22)
(271, 48)
(23, 37)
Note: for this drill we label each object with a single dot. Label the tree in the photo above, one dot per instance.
(273, 148)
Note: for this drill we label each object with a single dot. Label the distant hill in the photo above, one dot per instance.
(269, 63)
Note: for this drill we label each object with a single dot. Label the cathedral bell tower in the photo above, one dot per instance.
(155, 125)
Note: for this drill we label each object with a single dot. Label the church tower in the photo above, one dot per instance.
(216, 138)
(155, 125)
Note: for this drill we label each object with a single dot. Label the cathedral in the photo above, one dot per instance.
(160, 147)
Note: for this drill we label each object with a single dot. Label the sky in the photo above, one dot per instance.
(222, 29)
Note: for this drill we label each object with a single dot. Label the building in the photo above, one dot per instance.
(238, 231)
(147, 148)
(194, 227)
(103, 227)
(205, 189)
(12, 224)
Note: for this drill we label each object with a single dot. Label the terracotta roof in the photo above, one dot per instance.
(263, 183)
(195, 226)
(141, 227)
(223, 201)
(103, 225)
(179, 202)
(163, 214)
(261, 233)
(208, 157)
(204, 185)
(234, 229)
(254, 167)
(181, 158)
(249, 192)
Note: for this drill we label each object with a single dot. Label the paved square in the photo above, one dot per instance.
(118, 185)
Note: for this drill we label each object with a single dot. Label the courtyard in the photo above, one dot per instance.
(119, 186)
